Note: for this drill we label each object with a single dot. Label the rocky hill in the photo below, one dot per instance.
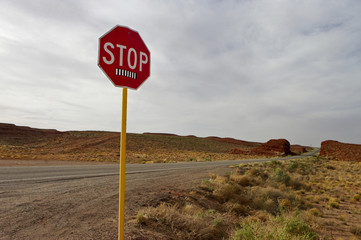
(341, 151)
(18, 142)
(10, 134)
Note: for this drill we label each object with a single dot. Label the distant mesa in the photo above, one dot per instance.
(272, 148)
(18, 135)
(235, 141)
(168, 134)
(191, 136)
(340, 151)
(17, 142)
(162, 134)
(12, 128)
(218, 139)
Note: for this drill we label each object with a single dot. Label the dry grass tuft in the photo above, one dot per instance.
(238, 208)
(224, 192)
(334, 203)
(242, 180)
(315, 212)
(356, 230)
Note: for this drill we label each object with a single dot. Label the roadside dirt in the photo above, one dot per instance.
(87, 208)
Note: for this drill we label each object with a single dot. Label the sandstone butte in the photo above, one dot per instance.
(341, 151)
(274, 147)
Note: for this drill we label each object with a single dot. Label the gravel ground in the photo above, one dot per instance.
(86, 208)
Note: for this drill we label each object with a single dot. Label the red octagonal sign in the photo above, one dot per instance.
(124, 57)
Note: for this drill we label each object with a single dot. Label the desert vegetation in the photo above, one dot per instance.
(313, 198)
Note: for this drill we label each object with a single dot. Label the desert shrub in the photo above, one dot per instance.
(315, 212)
(275, 163)
(277, 228)
(250, 231)
(257, 216)
(293, 166)
(191, 209)
(211, 211)
(284, 204)
(236, 207)
(242, 180)
(266, 199)
(257, 175)
(297, 227)
(141, 218)
(334, 203)
(281, 176)
(356, 230)
(184, 226)
(330, 167)
(356, 197)
(253, 172)
(217, 222)
(220, 179)
(213, 175)
(262, 203)
(224, 192)
(207, 185)
(272, 193)
(297, 183)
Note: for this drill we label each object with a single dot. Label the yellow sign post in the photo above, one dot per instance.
(123, 136)
(127, 67)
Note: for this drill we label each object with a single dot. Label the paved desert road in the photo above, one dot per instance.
(54, 173)
(81, 201)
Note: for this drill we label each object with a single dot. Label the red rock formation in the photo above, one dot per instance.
(341, 151)
(274, 147)
(297, 149)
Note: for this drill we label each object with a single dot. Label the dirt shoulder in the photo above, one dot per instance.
(87, 208)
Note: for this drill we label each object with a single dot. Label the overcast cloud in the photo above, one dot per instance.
(251, 70)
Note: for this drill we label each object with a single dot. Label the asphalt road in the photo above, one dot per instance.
(54, 173)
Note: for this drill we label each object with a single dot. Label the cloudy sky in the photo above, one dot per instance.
(248, 69)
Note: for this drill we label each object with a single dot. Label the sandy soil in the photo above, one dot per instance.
(86, 208)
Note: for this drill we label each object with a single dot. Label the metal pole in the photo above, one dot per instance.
(122, 165)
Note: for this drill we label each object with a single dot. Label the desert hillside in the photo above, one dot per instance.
(18, 142)
(341, 151)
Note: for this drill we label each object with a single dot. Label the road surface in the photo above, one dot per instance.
(81, 201)
(53, 173)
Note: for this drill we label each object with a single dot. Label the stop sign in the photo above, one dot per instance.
(124, 57)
